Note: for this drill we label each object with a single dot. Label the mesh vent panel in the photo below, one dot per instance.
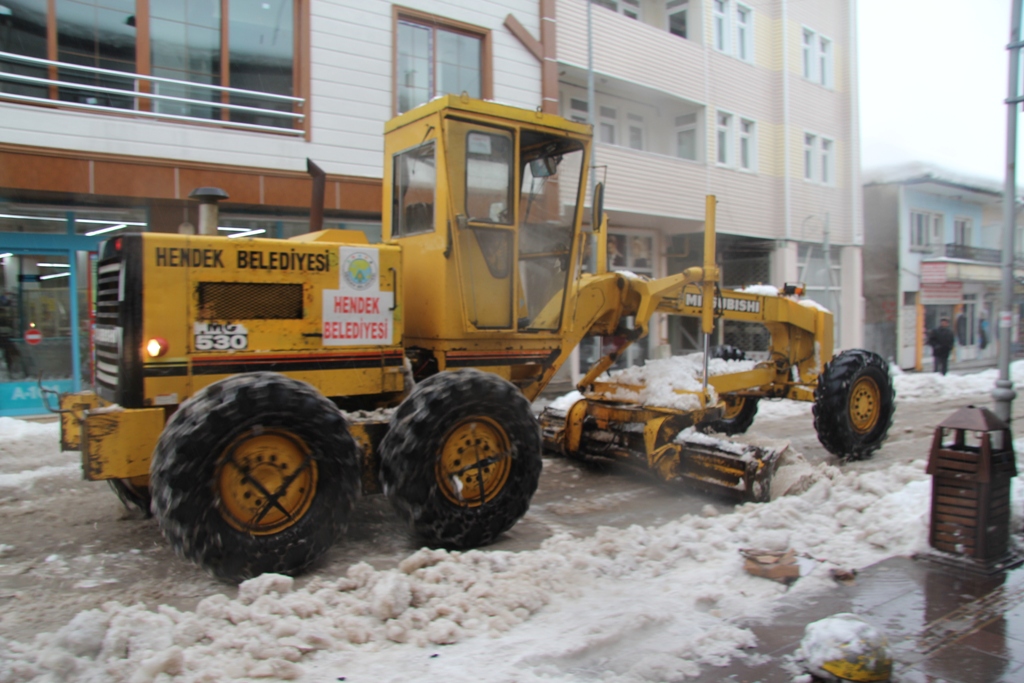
(249, 301)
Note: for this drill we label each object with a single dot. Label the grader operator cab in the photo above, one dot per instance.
(248, 390)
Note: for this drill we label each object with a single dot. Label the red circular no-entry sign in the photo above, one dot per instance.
(33, 336)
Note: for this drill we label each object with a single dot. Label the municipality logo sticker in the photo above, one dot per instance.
(359, 270)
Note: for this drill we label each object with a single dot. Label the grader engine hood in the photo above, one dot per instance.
(177, 312)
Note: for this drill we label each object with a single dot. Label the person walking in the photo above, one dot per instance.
(941, 339)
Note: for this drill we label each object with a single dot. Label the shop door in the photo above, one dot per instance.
(35, 330)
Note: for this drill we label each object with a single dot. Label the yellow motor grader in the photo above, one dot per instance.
(248, 390)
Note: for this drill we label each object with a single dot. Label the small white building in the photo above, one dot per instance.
(933, 250)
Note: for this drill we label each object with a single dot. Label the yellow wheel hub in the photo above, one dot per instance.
(474, 463)
(865, 404)
(266, 481)
(733, 407)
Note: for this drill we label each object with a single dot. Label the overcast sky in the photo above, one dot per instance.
(932, 83)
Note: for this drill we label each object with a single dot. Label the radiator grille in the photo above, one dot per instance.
(108, 352)
(249, 301)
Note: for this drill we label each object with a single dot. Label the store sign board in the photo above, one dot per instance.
(24, 398)
(944, 293)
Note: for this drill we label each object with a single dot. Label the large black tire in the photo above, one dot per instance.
(461, 459)
(255, 473)
(740, 412)
(854, 403)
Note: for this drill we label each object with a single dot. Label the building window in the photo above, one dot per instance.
(808, 53)
(810, 145)
(636, 130)
(96, 33)
(825, 62)
(676, 12)
(627, 8)
(963, 229)
(724, 138)
(925, 229)
(817, 58)
(827, 162)
(436, 56)
(608, 124)
(744, 33)
(686, 136)
(721, 23)
(748, 145)
(579, 110)
(206, 45)
(632, 252)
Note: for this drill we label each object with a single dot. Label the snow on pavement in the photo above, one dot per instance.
(637, 604)
(640, 604)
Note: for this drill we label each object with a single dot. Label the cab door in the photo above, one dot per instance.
(481, 163)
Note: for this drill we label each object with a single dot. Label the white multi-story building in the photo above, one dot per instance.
(754, 102)
(113, 111)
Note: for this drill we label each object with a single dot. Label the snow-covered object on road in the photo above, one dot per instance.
(844, 638)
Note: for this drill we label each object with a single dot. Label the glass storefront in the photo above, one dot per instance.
(47, 256)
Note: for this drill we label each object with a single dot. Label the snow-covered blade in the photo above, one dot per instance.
(713, 463)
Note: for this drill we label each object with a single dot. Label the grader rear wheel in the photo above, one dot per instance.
(854, 404)
(461, 459)
(255, 473)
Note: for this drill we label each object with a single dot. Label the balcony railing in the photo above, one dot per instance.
(147, 96)
(962, 251)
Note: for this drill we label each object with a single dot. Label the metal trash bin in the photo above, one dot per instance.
(971, 463)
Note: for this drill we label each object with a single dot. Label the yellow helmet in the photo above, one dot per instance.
(844, 647)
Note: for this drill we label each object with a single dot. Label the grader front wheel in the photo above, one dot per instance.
(255, 473)
(854, 404)
(461, 459)
(740, 412)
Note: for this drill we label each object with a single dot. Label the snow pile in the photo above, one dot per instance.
(920, 386)
(642, 603)
(842, 636)
(661, 379)
(564, 402)
(28, 453)
(811, 303)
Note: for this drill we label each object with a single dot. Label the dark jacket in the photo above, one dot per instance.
(941, 339)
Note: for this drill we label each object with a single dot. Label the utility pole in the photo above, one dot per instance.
(1003, 394)
(591, 108)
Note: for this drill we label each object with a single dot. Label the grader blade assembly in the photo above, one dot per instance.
(711, 464)
(662, 441)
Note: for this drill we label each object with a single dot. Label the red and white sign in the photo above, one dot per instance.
(33, 336)
(933, 273)
(358, 313)
(942, 293)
